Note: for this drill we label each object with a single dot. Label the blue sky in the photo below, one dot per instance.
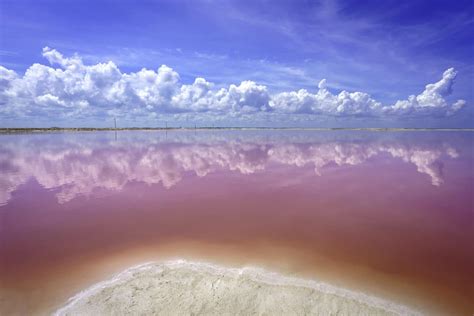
(380, 52)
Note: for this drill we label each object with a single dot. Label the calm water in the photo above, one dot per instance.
(389, 214)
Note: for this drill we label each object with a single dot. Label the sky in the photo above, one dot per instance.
(328, 63)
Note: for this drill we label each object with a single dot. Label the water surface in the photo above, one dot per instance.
(388, 214)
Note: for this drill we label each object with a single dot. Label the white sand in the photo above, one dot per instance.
(190, 288)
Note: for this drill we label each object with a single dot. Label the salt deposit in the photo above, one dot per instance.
(193, 288)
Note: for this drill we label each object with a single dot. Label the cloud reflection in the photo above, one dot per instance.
(73, 166)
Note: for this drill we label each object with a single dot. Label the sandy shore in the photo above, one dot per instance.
(186, 288)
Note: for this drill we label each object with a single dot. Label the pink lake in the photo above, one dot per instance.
(384, 213)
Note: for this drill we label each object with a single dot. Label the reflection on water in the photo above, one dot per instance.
(385, 213)
(77, 165)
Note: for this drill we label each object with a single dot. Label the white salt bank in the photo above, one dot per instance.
(190, 288)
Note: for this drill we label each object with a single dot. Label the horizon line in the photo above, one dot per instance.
(5, 130)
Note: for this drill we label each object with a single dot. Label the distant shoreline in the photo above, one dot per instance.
(96, 129)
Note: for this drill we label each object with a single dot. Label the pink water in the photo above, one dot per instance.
(389, 214)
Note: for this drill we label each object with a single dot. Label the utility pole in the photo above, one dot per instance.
(166, 124)
(115, 123)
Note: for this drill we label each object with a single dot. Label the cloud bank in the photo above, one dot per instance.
(69, 88)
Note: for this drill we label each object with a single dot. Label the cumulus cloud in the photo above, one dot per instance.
(431, 99)
(324, 102)
(69, 87)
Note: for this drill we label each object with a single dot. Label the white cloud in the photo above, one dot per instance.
(324, 102)
(432, 98)
(77, 89)
(246, 97)
(49, 100)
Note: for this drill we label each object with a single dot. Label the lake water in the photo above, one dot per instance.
(388, 214)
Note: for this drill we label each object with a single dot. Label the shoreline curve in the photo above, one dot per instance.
(207, 288)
